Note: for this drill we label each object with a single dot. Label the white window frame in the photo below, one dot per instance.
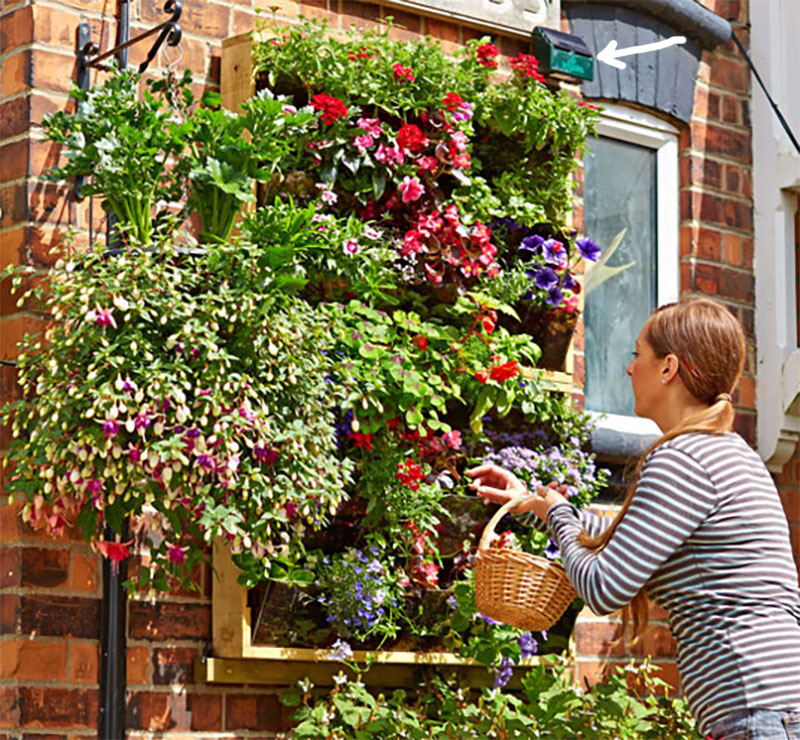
(637, 127)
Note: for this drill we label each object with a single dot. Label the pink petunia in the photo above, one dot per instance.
(363, 142)
(389, 154)
(411, 188)
(371, 125)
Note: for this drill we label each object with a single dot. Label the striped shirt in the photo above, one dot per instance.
(706, 532)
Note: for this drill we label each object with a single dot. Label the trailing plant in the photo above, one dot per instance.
(629, 704)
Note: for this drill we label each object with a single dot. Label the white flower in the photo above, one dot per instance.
(350, 247)
(121, 303)
(340, 678)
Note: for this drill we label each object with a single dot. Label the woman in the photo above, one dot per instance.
(702, 531)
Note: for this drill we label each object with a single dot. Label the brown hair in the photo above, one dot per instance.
(710, 347)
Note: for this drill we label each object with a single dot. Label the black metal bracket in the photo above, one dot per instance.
(169, 31)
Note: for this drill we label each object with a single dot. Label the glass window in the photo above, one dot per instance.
(620, 214)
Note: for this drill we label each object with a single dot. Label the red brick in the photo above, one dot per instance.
(60, 616)
(42, 103)
(13, 329)
(737, 285)
(248, 712)
(165, 621)
(597, 638)
(157, 711)
(732, 249)
(731, 109)
(717, 209)
(16, 29)
(747, 392)
(9, 513)
(33, 660)
(84, 661)
(173, 665)
(206, 712)
(10, 564)
(44, 568)
(203, 19)
(15, 115)
(137, 660)
(52, 71)
(83, 572)
(747, 253)
(57, 707)
(706, 279)
(53, 203)
(733, 75)
(745, 424)
(359, 14)
(57, 27)
(714, 139)
(14, 204)
(9, 706)
(446, 33)
(17, 73)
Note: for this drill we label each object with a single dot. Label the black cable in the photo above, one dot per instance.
(766, 92)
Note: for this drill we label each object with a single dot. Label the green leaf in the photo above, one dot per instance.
(482, 406)
(378, 182)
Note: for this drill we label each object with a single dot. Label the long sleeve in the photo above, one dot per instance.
(593, 524)
(673, 496)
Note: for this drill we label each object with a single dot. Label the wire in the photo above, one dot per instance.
(766, 92)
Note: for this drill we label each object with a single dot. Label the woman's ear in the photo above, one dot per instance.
(669, 368)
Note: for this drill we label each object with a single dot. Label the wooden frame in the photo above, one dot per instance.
(235, 659)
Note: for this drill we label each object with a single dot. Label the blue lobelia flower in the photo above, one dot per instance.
(527, 645)
(588, 248)
(503, 675)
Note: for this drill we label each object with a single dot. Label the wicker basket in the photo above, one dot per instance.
(516, 588)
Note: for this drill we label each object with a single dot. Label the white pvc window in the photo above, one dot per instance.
(630, 204)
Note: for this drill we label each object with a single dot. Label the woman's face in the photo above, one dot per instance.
(645, 371)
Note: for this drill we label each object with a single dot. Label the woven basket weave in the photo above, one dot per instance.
(517, 588)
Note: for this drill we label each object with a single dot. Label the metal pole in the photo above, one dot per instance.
(113, 617)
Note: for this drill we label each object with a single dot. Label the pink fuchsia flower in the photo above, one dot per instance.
(176, 553)
(371, 125)
(363, 142)
(411, 188)
(105, 317)
(141, 422)
(110, 428)
(350, 247)
(265, 455)
(134, 454)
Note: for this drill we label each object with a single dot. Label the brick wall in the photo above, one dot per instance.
(49, 614)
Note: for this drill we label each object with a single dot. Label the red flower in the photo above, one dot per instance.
(410, 474)
(583, 104)
(487, 55)
(481, 376)
(426, 573)
(330, 108)
(526, 65)
(505, 371)
(489, 321)
(421, 342)
(411, 137)
(402, 74)
(361, 441)
(452, 101)
(116, 552)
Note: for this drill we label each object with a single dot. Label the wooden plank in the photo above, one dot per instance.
(288, 673)
(237, 83)
(230, 617)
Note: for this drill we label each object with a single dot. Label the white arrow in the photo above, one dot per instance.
(610, 54)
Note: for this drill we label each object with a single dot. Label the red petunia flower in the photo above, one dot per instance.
(411, 137)
(526, 65)
(402, 74)
(330, 108)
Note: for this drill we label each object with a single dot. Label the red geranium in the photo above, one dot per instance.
(330, 108)
(487, 55)
(403, 74)
(527, 65)
(411, 137)
(421, 342)
(452, 101)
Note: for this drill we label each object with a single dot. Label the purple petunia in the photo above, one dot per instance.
(486, 619)
(588, 248)
(551, 552)
(568, 282)
(546, 278)
(532, 244)
(554, 296)
(554, 252)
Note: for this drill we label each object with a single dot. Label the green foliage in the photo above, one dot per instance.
(631, 704)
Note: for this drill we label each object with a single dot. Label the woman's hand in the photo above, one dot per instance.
(497, 485)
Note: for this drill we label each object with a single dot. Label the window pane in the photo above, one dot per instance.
(619, 194)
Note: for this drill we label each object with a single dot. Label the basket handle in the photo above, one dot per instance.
(488, 530)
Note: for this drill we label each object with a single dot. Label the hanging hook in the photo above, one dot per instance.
(172, 64)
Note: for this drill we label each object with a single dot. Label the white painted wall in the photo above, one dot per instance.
(775, 50)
